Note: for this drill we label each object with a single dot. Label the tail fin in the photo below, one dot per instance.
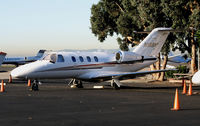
(153, 43)
(41, 53)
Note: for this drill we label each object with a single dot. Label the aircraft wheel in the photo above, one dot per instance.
(77, 84)
(80, 84)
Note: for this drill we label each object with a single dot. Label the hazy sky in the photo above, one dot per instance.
(29, 25)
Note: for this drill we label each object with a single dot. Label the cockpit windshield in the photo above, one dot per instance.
(51, 58)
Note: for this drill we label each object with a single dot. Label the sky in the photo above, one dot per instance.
(29, 25)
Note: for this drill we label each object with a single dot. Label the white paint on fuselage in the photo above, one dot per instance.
(44, 69)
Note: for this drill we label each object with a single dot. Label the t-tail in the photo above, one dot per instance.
(153, 43)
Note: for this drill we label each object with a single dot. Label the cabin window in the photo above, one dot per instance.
(96, 59)
(73, 59)
(81, 59)
(60, 58)
(88, 59)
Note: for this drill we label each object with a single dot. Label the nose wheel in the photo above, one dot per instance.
(35, 85)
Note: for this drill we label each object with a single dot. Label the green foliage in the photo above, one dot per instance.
(184, 15)
(122, 45)
(123, 17)
(180, 69)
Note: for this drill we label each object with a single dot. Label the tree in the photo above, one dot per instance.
(185, 15)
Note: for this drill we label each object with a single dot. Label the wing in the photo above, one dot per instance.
(120, 75)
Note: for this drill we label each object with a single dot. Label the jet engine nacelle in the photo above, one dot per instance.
(124, 56)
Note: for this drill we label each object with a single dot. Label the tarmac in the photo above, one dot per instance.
(139, 102)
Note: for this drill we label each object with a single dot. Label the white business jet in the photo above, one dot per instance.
(96, 66)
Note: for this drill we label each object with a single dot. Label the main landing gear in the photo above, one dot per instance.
(115, 84)
(76, 83)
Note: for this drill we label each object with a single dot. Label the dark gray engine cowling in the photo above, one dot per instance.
(124, 56)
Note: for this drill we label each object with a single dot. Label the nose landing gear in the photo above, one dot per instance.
(35, 85)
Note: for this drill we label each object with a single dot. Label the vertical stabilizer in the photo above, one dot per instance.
(153, 43)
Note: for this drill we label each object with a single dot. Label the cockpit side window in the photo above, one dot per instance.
(50, 57)
(53, 58)
(60, 58)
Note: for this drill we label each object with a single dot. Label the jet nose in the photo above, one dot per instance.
(196, 78)
(19, 72)
(28, 70)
